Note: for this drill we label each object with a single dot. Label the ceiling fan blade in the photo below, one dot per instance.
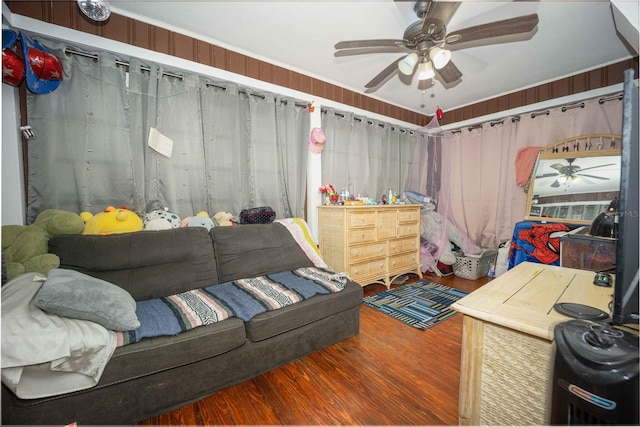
(547, 175)
(555, 184)
(593, 167)
(383, 75)
(603, 178)
(368, 50)
(449, 73)
(352, 44)
(558, 166)
(425, 84)
(518, 25)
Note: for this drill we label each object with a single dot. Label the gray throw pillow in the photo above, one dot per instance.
(75, 295)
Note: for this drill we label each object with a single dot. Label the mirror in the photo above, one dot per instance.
(574, 180)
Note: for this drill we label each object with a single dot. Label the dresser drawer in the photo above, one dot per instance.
(403, 261)
(376, 267)
(361, 219)
(403, 245)
(361, 235)
(359, 253)
(408, 215)
(408, 229)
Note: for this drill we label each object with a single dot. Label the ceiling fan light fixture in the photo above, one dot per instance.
(440, 57)
(426, 71)
(408, 63)
(97, 10)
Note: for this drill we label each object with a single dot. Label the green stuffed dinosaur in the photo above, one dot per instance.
(26, 247)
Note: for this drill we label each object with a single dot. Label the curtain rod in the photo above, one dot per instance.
(369, 122)
(546, 112)
(175, 75)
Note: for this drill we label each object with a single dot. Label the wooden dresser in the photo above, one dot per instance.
(373, 244)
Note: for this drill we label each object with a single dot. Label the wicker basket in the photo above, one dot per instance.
(474, 266)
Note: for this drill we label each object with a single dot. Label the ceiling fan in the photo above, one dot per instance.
(572, 172)
(425, 44)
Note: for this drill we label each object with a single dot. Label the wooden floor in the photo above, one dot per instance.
(390, 374)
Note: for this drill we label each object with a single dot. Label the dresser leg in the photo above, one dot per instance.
(470, 371)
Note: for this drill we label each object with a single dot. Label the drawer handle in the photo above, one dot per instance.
(356, 253)
(393, 246)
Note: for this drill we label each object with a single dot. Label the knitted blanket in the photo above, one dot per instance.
(244, 298)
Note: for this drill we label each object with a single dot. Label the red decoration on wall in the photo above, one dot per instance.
(439, 113)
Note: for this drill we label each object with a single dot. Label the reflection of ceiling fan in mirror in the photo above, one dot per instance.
(426, 44)
(571, 172)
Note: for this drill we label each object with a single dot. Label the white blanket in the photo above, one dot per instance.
(46, 355)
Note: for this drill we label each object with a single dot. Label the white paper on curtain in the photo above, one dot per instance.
(160, 143)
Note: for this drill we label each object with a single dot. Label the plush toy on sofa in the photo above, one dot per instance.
(111, 221)
(161, 219)
(224, 218)
(25, 247)
(201, 219)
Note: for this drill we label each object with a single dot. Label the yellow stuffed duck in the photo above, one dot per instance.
(111, 221)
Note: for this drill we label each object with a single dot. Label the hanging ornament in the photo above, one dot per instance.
(317, 140)
(439, 113)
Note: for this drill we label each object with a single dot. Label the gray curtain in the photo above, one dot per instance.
(232, 148)
(82, 156)
(365, 156)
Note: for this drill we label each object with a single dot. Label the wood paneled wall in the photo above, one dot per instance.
(140, 34)
(601, 77)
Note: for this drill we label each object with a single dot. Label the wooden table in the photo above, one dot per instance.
(507, 337)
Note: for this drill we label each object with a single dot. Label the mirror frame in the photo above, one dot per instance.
(596, 145)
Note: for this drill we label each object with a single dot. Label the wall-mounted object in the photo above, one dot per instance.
(575, 179)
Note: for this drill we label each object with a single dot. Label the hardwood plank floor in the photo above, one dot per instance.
(390, 374)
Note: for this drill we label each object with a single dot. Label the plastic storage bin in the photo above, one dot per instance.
(474, 266)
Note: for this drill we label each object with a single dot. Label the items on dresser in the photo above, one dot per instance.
(373, 244)
(579, 249)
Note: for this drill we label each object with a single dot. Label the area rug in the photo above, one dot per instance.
(421, 304)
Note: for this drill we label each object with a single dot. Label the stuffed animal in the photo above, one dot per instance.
(25, 247)
(201, 219)
(111, 221)
(224, 219)
(161, 219)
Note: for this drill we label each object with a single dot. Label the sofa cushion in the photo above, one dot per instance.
(256, 250)
(158, 354)
(148, 264)
(272, 323)
(75, 295)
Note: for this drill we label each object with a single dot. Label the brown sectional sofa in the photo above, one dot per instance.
(157, 375)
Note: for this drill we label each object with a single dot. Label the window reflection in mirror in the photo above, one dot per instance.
(573, 187)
